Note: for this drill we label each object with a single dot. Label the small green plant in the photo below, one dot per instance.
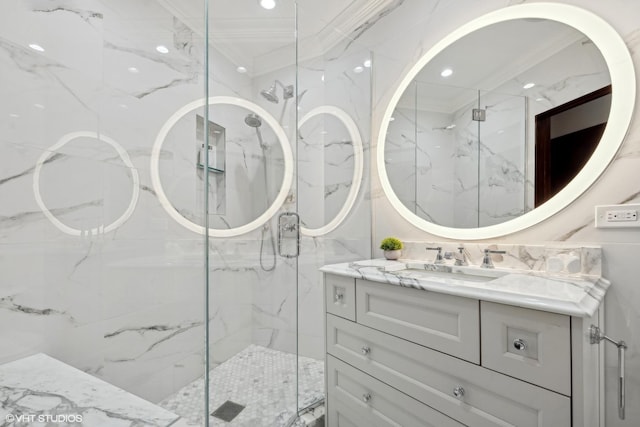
(390, 244)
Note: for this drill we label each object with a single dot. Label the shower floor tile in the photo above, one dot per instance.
(261, 379)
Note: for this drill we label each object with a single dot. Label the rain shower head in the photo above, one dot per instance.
(253, 120)
(271, 95)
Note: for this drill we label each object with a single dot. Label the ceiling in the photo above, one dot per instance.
(262, 40)
(489, 58)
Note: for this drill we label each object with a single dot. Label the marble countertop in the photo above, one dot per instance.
(571, 295)
(41, 386)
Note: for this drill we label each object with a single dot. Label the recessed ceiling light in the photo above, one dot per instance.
(451, 126)
(323, 132)
(358, 69)
(322, 77)
(241, 69)
(14, 115)
(446, 72)
(133, 70)
(162, 48)
(40, 106)
(528, 86)
(539, 99)
(367, 63)
(123, 106)
(501, 131)
(36, 47)
(268, 4)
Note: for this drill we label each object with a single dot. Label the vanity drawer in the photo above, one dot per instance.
(340, 296)
(443, 322)
(489, 398)
(528, 344)
(356, 399)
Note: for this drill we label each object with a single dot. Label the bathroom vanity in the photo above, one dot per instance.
(414, 344)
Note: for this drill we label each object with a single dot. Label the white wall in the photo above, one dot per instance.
(423, 23)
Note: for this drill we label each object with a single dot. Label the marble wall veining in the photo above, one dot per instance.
(423, 23)
(127, 305)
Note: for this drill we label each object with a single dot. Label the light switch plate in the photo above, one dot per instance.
(617, 216)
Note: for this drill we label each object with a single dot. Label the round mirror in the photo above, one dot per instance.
(247, 149)
(328, 132)
(506, 121)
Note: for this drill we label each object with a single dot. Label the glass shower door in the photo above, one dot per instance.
(250, 202)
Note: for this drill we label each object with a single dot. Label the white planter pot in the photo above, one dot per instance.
(393, 254)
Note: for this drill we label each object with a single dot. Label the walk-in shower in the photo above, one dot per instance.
(166, 141)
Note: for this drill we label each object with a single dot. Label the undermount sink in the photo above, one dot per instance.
(421, 270)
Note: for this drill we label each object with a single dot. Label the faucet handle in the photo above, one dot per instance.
(439, 259)
(461, 258)
(491, 251)
(487, 262)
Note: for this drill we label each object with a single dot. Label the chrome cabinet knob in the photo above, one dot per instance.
(366, 397)
(458, 392)
(519, 344)
(366, 350)
(338, 297)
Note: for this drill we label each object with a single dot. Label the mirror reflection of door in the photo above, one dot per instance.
(566, 137)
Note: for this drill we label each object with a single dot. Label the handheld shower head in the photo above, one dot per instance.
(253, 120)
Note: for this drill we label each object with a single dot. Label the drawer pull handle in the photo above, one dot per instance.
(338, 297)
(366, 397)
(458, 392)
(366, 350)
(519, 344)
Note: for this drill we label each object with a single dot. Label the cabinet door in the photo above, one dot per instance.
(356, 399)
(340, 296)
(443, 322)
(471, 394)
(532, 345)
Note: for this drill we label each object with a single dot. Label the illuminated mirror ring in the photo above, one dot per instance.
(621, 71)
(286, 181)
(126, 160)
(358, 159)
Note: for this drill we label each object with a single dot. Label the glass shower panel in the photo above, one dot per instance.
(252, 243)
(502, 158)
(333, 151)
(447, 155)
(95, 273)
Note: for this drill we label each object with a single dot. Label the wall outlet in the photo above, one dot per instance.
(617, 216)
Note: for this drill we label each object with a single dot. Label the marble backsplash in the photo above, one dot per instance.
(553, 259)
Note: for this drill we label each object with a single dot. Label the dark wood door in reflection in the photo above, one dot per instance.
(566, 137)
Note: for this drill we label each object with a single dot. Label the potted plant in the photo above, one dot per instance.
(392, 247)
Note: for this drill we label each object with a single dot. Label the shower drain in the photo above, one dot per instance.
(228, 411)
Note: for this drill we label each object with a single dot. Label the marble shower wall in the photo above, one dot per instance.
(423, 24)
(324, 153)
(126, 304)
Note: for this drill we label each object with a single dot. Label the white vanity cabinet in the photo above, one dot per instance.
(411, 357)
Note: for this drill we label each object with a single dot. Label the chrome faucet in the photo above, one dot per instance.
(461, 257)
(486, 260)
(439, 259)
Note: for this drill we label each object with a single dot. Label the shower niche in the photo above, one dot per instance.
(216, 163)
